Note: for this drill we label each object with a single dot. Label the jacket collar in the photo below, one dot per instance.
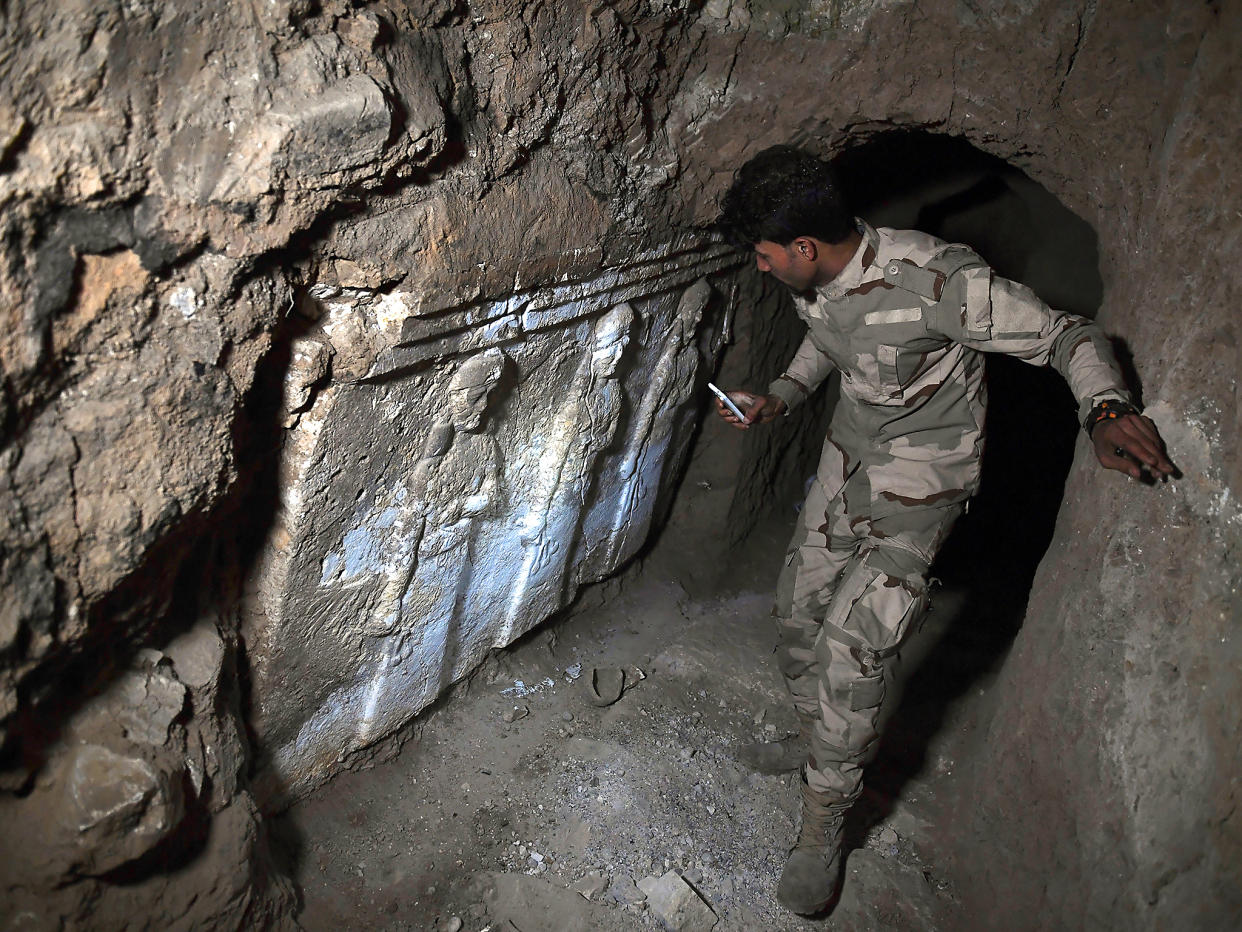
(855, 270)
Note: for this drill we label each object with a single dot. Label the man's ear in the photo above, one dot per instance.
(805, 248)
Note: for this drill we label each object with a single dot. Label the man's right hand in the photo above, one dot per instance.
(759, 409)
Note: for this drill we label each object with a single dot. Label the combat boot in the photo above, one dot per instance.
(783, 756)
(811, 879)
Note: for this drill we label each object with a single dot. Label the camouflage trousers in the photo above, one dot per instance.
(852, 588)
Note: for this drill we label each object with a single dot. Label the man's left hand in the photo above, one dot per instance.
(1129, 443)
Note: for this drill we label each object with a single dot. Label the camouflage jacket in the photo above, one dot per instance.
(906, 323)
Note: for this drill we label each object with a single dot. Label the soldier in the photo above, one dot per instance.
(905, 319)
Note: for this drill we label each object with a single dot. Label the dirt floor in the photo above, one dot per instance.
(517, 804)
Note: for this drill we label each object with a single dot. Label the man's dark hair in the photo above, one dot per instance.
(783, 193)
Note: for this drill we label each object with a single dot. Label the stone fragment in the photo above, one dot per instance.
(625, 892)
(197, 655)
(144, 702)
(676, 904)
(591, 885)
(121, 807)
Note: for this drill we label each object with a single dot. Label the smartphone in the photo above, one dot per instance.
(737, 412)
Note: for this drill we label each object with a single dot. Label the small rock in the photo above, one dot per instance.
(512, 715)
(624, 891)
(888, 838)
(567, 716)
(687, 753)
(676, 904)
(760, 714)
(591, 886)
(452, 924)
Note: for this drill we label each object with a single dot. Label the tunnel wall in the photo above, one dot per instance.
(232, 232)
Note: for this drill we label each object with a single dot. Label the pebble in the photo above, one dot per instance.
(567, 716)
(451, 925)
(592, 885)
(625, 892)
(512, 715)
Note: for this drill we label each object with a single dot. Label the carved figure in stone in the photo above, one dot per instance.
(454, 484)
(583, 427)
(671, 385)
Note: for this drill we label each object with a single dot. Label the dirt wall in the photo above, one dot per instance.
(225, 224)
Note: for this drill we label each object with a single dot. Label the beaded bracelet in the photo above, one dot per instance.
(1107, 411)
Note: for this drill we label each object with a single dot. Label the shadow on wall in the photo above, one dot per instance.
(944, 186)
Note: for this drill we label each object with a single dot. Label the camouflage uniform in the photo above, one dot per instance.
(904, 323)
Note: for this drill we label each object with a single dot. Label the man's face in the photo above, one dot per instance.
(786, 264)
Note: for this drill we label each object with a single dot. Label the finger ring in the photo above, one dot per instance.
(1119, 451)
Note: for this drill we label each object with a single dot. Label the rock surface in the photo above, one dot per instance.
(243, 244)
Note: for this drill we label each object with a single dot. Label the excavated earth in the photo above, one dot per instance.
(345, 341)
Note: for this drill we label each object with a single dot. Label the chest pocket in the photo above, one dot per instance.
(887, 334)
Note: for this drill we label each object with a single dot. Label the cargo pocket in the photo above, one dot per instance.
(866, 692)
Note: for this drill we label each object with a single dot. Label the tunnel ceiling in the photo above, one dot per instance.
(241, 242)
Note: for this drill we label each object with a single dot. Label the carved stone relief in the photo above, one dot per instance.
(451, 479)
